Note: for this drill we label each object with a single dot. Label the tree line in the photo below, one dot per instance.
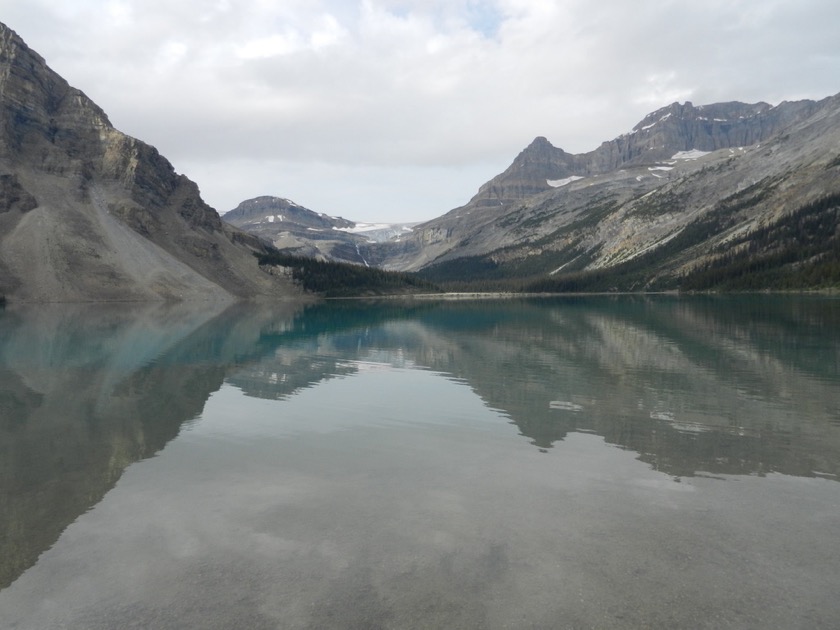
(336, 279)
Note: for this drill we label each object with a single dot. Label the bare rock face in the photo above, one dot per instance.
(677, 127)
(13, 196)
(528, 175)
(684, 127)
(90, 214)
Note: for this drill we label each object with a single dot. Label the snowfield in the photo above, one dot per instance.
(693, 154)
(557, 183)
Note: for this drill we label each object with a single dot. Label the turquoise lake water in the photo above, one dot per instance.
(580, 462)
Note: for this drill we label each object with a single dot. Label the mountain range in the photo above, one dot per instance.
(727, 195)
(688, 190)
(720, 196)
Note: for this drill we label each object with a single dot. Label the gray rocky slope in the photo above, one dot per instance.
(88, 213)
(738, 167)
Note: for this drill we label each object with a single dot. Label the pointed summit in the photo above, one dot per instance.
(540, 142)
(528, 175)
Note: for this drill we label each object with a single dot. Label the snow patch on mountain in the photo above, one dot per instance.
(378, 232)
(557, 183)
(693, 154)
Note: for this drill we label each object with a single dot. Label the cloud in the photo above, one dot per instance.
(402, 98)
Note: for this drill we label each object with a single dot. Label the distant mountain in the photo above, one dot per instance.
(297, 230)
(266, 211)
(660, 135)
(90, 214)
(721, 196)
(692, 197)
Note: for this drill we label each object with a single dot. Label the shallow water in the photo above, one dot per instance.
(577, 462)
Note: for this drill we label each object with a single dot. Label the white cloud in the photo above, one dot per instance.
(398, 100)
(270, 46)
(119, 12)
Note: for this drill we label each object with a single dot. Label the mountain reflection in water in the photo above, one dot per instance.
(717, 385)
(693, 386)
(86, 390)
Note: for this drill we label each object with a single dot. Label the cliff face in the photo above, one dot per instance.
(684, 127)
(90, 214)
(677, 127)
(539, 163)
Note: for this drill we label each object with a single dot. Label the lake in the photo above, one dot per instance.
(577, 462)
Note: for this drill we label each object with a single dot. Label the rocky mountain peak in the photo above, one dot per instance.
(37, 106)
(539, 144)
(269, 209)
(656, 138)
(541, 154)
(729, 112)
(528, 175)
(88, 213)
(681, 127)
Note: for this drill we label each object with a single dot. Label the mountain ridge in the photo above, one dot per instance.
(297, 230)
(553, 212)
(88, 213)
(656, 138)
(702, 178)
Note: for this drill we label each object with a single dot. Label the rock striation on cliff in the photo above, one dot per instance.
(88, 213)
(661, 134)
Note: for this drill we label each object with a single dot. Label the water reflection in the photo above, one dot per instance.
(716, 385)
(87, 390)
(691, 386)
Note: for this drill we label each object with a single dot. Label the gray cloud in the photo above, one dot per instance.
(399, 109)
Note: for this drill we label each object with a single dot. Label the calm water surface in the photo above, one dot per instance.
(559, 463)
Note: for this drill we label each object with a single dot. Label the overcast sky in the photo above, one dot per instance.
(398, 110)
